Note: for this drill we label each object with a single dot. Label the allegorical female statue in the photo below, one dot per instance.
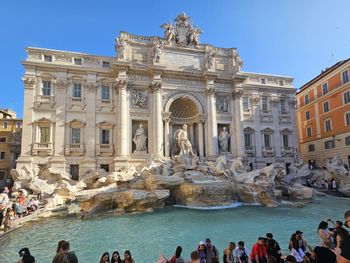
(223, 140)
(140, 139)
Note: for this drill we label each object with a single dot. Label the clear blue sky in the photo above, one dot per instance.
(296, 38)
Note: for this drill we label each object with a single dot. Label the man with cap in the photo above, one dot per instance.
(273, 248)
(344, 256)
(212, 254)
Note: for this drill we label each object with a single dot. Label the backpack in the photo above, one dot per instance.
(244, 257)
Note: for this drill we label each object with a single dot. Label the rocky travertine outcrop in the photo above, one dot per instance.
(210, 184)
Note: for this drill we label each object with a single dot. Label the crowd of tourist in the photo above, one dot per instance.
(334, 247)
(20, 206)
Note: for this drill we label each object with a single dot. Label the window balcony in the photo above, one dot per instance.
(75, 149)
(76, 102)
(105, 149)
(250, 151)
(42, 148)
(109, 104)
(268, 151)
(287, 151)
(44, 100)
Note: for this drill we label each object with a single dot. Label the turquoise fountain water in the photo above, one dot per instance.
(151, 234)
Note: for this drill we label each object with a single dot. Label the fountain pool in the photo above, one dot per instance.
(150, 234)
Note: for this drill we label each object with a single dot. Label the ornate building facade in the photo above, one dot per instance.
(86, 112)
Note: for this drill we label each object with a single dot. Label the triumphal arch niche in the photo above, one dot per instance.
(126, 109)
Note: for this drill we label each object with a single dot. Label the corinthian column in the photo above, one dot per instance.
(238, 126)
(156, 87)
(166, 119)
(122, 86)
(212, 124)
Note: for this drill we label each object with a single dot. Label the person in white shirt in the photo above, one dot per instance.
(241, 253)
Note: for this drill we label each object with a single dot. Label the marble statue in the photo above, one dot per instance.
(182, 140)
(140, 140)
(121, 48)
(223, 140)
(210, 59)
(193, 37)
(298, 161)
(156, 52)
(336, 166)
(139, 99)
(169, 33)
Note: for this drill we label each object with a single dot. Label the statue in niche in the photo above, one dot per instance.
(121, 48)
(139, 99)
(140, 140)
(169, 33)
(182, 140)
(223, 139)
(156, 52)
(210, 59)
(222, 104)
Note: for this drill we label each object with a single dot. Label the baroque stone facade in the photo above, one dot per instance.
(83, 112)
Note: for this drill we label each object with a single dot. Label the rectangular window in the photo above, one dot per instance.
(74, 171)
(46, 88)
(77, 61)
(347, 118)
(347, 140)
(307, 115)
(283, 105)
(329, 144)
(2, 156)
(324, 88)
(44, 134)
(309, 131)
(18, 125)
(306, 99)
(311, 147)
(326, 107)
(264, 104)
(104, 136)
(345, 76)
(281, 82)
(2, 175)
(245, 103)
(346, 96)
(76, 90)
(3, 139)
(106, 64)
(248, 140)
(105, 167)
(105, 93)
(75, 135)
(327, 125)
(267, 140)
(263, 81)
(47, 58)
(5, 124)
(285, 138)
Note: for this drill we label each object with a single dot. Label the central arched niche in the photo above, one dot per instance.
(184, 111)
(183, 108)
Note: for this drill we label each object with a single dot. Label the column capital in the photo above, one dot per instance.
(237, 94)
(122, 84)
(61, 84)
(29, 82)
(255, 100)
(156, 85)
(274, 102)
(210, 90)
(91, 86)
(166, 116)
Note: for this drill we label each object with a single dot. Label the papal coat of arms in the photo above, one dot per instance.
(183, 32)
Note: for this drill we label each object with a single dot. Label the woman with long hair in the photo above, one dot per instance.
(104, 258)
(295, 250)
(116, 257)
(177, 257)
(127, 257)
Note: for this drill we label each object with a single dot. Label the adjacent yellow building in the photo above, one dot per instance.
(323, 116)
(10, 143)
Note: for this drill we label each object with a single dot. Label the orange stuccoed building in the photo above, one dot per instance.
(323, 116)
